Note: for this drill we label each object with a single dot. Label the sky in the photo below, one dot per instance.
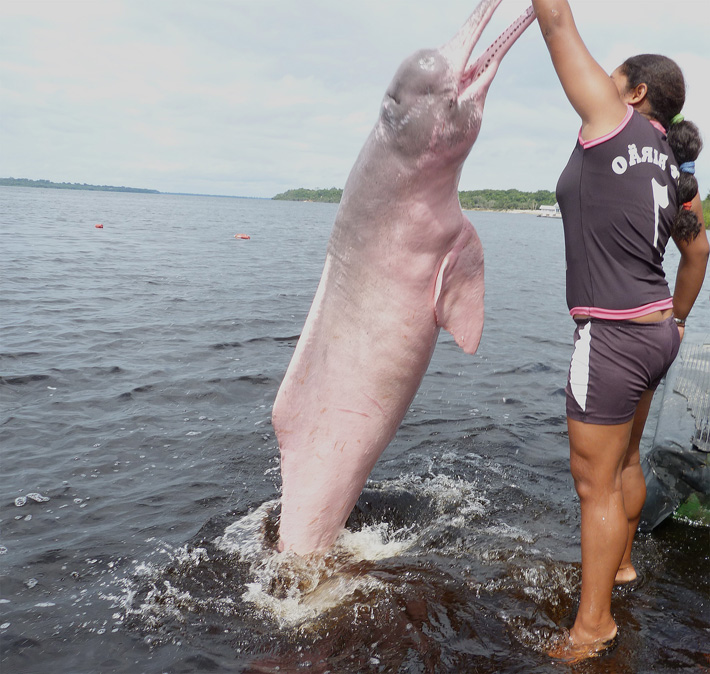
(254, 97)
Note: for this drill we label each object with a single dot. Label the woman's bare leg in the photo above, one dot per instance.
(633, 486)
(597, 454)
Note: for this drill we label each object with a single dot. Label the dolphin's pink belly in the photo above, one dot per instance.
(349, 384)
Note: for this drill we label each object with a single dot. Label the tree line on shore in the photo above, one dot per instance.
(329, 196)
(489, 200)
(506, 200)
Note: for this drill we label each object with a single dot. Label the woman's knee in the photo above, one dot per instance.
(594, 481)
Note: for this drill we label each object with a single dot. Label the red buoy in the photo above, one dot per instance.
(99, 226)
(242, 236)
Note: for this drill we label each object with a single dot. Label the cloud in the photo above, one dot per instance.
(251, 98)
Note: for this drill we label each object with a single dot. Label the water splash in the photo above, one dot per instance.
(295, 590)
(422, 559)
(34, 496)
(291, 589)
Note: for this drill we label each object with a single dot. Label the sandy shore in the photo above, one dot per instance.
(495, 210)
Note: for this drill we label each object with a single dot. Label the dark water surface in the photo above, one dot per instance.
(138, 365)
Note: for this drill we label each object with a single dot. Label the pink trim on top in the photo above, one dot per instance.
(586, 144)
(659, 126)
(623, 314)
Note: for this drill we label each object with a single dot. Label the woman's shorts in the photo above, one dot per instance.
(613, 364)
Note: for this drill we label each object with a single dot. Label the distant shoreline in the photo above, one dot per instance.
(514, 211)
(468, 199)
(48, 184)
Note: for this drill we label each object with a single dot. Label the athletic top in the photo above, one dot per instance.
(618, 198)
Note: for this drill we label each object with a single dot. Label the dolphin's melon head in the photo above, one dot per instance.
(421, 113)
(433, 107)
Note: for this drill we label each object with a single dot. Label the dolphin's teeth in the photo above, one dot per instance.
(490, 57)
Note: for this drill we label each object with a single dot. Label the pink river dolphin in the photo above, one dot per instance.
(402, 262)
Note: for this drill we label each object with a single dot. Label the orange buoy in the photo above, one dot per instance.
(99, 226)
(242, 236)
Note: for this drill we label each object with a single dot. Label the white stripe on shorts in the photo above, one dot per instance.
(579, 368)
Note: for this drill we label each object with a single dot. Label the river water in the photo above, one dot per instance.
(139, 363)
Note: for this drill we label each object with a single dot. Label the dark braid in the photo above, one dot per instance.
(686, 143)
(666, 96)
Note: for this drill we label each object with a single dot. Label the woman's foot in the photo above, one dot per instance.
(626, 574)
(567, 649)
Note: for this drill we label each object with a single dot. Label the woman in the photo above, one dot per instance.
(627, 189)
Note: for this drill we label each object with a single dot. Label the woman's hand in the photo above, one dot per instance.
(692, 266)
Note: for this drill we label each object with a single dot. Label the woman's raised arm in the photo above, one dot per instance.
(592, 93)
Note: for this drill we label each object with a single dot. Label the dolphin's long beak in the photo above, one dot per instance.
(459, 49)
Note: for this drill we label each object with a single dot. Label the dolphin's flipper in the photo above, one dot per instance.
(458, 295)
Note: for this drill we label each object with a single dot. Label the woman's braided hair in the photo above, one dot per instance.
(666, 96)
